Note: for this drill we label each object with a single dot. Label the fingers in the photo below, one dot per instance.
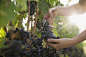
(53, 40)
(50, 12)
(52, 45)
(45, 40)
(61, 43)
(56, 46)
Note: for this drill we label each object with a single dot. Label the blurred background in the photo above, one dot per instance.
(77, 20)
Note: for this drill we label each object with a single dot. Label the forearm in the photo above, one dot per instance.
(79, 38)
(69, 10)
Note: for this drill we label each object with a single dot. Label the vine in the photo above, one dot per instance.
(36, 18)
(28, 15)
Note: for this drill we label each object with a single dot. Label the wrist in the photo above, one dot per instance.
(73, 41)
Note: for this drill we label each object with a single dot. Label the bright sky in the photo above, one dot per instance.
(79, 20)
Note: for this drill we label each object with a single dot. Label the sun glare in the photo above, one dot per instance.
(79, 20)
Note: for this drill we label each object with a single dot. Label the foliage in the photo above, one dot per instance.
(2, 36)
(6, 12)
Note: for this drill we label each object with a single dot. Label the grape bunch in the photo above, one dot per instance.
(38, 50)
(72, 52)
(15, 44)
(32, 7)
(20, 43)
(46, 32)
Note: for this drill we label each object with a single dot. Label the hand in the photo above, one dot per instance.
(62, 43)
(50, 15)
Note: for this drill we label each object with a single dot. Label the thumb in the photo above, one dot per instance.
(52, 40)
(50, 12)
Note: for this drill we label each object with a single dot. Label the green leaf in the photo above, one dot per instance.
(2, 33)
(38, 34)
(55, 32)
(44, 6)
(33, 0)
(67, 55)
(22, 4)
(51, 1)
(26, 24)
(6, 12)
(69, 1)
(40, 17)
(62, 55)
(2, 42)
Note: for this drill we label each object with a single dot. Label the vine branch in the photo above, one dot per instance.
(49, 4)
(31, 24)
(28, 15)
(5, 29)
(36, 17)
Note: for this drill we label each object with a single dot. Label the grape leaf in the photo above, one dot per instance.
(51, 1)
(55, 32)
(2, 42)
(2, 35)
(6, 12)
(43, 6)
(22, 4)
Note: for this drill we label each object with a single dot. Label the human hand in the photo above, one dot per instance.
(50, 15)
(61, 43)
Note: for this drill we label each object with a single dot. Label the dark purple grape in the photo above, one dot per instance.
(32, 7)
(6, 42)
(1, 56)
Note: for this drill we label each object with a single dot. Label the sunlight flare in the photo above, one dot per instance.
(79, 20)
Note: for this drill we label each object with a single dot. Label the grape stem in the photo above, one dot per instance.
(49, 4)
(5, 29)
(10, 24)
(8, 2)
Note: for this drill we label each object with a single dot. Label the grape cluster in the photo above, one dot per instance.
(46, 32)
(32, 7)
(67, 51)
(39, 50)
(15, 44)
(20, 43)
(72, 52)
